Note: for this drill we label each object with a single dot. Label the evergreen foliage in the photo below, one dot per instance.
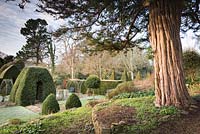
(124, 76)
(112, 76)
(50, 105)
(10, 72)
(124, 87)
(33, 83)
(191, 64)
(73, 102)
(93, 82)
(38, 40)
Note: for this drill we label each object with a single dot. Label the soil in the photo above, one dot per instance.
(116, 115)
(186, 124)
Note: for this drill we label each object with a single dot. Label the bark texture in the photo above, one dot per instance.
(164, 29)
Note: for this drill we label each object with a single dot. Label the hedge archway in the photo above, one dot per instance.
(33, 84)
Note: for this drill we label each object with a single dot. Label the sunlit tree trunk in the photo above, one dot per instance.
(164, 29)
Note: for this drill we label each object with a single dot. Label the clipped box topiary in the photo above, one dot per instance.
(73, 101)
(32, 85)
(50, 105)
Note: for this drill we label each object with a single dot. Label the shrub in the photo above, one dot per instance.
(106, 85)
(135, 94)
(82, 87)
(92, 81)
(138, 76)
(15, 121)
(124, 87)
(124, 76)
(10, 72)
(33, 83)
(73, 101)
(112, 76)
(50, 105)
(191, 63)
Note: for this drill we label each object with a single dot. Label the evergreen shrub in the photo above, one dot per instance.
(73, 102)
(50, 105)
(33, 83)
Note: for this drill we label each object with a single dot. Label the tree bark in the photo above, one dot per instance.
(164, 30)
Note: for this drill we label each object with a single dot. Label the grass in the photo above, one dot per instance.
(78, 120)
(147, 115)
(71, 121)
(20, 112)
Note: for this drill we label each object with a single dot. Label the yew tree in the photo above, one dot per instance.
(120, 24)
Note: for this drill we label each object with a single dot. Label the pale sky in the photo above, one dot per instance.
(12, 18)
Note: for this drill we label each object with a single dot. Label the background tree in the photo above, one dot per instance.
(123, 24)
(37, 40)
(134, 60)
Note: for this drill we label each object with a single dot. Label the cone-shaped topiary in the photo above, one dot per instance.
(124, 76)
(33, 84)
(50, 105)
(112, 76)
(73, 101)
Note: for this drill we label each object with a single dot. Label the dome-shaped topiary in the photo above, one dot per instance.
(32, 85)
(92, 81)
(73, 101)
(50, 105)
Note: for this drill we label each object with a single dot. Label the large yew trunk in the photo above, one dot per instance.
(164, 29)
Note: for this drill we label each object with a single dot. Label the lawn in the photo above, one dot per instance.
(24, 114)
(16, 112)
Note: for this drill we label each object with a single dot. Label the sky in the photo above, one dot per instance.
(12, 18)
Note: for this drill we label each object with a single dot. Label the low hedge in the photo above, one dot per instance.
(107, 85)
(124, 87)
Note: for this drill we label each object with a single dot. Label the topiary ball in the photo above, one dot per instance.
(50, 105)
(92, 81)
(73, 101)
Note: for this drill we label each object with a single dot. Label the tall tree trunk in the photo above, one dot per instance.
(164, 29)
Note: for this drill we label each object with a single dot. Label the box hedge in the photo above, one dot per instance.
(33, 83)
(50, 105)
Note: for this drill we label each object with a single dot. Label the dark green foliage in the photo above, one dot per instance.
(18, 63)
(38, 41)
(1, 62)
(93, 82)
(73, 101)
(33, 83)
(82, 87)
(106, 85)
(135, 94)
(191, 63)
(10, 72)
(124, 87)
(50, 105)
(124, 76)
(8, 59)
(125, 19)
